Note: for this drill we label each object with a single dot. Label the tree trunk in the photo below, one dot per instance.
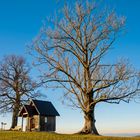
(15, 116)
(89, 126)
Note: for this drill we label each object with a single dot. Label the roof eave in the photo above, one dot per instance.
(35, 107)
(22, 109)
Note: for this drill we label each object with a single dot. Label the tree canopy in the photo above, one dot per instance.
(72, 48)
(16, 86)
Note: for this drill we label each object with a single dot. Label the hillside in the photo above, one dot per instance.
(6, 135)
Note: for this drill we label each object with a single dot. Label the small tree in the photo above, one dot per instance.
(15, 85)
(72, 49)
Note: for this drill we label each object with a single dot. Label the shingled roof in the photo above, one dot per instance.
(45, 108)
(30, 110)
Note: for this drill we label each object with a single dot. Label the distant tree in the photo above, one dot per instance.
(73, 47)
(16, 85)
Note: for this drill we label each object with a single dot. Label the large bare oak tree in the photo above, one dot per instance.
(72, 48)
(16, 85)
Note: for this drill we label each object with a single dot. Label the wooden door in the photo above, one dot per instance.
(32, 123)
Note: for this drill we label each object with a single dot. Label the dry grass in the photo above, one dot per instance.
(6, 135)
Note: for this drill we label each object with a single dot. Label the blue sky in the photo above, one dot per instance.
(20, 22)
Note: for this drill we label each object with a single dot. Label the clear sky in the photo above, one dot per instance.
(20, 22)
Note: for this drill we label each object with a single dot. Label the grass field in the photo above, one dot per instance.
(6, 135)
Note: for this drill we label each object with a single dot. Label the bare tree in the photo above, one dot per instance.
(73, 47)
(15, 85)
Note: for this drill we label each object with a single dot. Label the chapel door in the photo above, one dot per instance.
(32, 123)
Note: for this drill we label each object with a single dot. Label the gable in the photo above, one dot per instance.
(27, 110)
(23, 112)
(45, 108)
